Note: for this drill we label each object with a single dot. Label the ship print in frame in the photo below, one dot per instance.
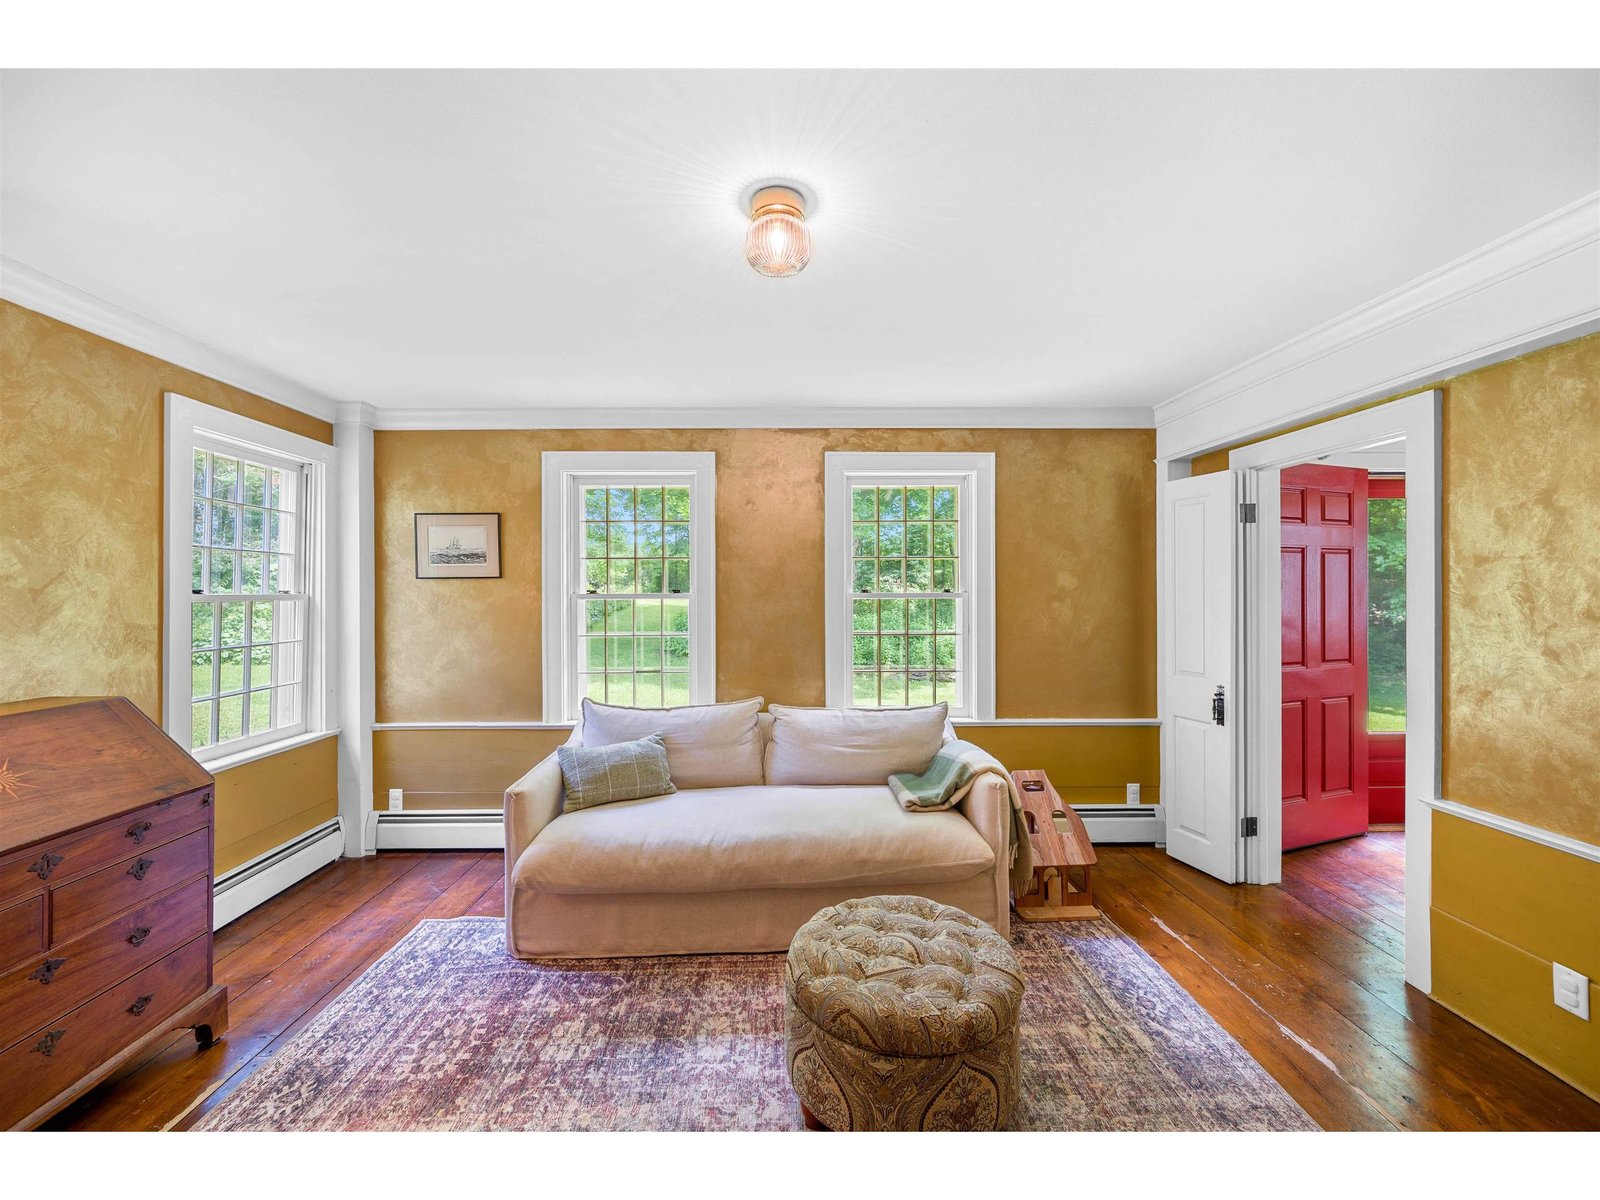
(458, 545)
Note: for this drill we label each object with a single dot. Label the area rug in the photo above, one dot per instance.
(447, 1032)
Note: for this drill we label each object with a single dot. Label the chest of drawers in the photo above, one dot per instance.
(105, 900)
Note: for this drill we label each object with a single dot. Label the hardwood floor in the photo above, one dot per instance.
(1306, 976)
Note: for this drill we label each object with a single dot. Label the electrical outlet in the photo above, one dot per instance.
(1572, 991)
(1133, 793)
(397, 799)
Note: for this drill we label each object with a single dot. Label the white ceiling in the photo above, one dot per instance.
(1030, 239)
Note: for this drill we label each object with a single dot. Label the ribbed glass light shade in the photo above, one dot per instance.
(778, 243)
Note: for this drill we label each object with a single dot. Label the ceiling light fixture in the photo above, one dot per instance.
(778, 243)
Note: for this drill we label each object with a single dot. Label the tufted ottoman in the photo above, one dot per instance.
(900, 1013)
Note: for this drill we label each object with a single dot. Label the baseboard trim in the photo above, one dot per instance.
(440, 829)
(238, 891)
(1120, 824)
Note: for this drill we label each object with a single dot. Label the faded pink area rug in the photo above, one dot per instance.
(447, 1032)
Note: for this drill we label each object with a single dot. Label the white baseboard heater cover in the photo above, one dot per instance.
(441, 829)
(257, 881)
(1109, 824)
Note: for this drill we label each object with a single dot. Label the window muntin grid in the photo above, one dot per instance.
(634, 620)
(247, 637)
(906, 605)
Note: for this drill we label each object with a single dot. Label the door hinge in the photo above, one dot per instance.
(1249, 827)
(1247, 514)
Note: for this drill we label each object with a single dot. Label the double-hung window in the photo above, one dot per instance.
(910, 580)
(629, 580)
(246, 596)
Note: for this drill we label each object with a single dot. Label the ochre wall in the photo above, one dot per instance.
(1521, 696)
(81, 533)
(1075, 619)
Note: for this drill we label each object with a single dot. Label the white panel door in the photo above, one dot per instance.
(1199, 578)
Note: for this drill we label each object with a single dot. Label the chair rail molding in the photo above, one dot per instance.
(1517, 829)
(23, 285)
(1536, 286)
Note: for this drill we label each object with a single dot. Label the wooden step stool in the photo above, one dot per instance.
(1063, 862)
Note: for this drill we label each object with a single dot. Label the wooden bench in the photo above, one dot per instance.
(1063, 860)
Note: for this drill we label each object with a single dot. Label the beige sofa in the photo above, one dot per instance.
(734, 869)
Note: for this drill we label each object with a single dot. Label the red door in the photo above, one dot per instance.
(1324, 654)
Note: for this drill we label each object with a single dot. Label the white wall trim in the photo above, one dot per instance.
(975, 415)
(1055, 722)
(564, 474)
(229, 761)
(21, 284)
(237, 891)
(1528, 833)
(357, 665)
(1418, 419)
(440, 829)
(961, 722)
(1536, 286)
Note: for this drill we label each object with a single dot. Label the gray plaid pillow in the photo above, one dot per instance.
(605, 774)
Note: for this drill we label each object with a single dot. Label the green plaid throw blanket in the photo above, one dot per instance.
(946, 782)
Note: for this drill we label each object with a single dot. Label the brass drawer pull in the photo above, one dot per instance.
(46, 864)
(47, 1044)
(140, 867)
(137, 937)
(47, 970)
(137, 831)
(138, 1006)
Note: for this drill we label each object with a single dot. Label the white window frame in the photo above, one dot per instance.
(191, 425)
(973, 474)
(564, 476)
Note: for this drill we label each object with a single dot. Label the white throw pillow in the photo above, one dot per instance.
(708, 745)
(850, 746)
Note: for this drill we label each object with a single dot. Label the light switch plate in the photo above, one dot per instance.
(1572, 990)
(397, 799)
(1133, 793)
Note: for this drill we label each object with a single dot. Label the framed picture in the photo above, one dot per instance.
(458, 545)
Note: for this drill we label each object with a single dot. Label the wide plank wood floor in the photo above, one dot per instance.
(1306, 976)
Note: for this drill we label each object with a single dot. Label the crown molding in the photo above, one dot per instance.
(811, 417)
(356, 412)
(42, 293)
(1536, 286)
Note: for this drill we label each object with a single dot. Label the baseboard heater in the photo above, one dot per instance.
(1121, 823)
(440, 829)
(257, 881)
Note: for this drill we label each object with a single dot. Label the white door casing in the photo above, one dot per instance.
(1200, 654)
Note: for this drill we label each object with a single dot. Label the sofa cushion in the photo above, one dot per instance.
(729, 839)
(850, 746)
(592, 775)
(708, 745)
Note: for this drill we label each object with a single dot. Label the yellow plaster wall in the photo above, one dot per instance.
(81, 534)
(1075, 620)
(1521, 696)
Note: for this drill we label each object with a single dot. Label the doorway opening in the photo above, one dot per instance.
(1368, 683)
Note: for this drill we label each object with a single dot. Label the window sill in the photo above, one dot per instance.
(227, 762)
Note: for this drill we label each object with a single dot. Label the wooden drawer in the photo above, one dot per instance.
(79, 906)
(110, 842)
(21, 931)
(16, 880)
(49, 985)
(52, 1058)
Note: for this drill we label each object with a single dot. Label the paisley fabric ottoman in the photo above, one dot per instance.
(901, 1013)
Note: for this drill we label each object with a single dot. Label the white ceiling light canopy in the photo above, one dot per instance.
(778, 244)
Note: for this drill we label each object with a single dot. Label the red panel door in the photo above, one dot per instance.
(1324, 654)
